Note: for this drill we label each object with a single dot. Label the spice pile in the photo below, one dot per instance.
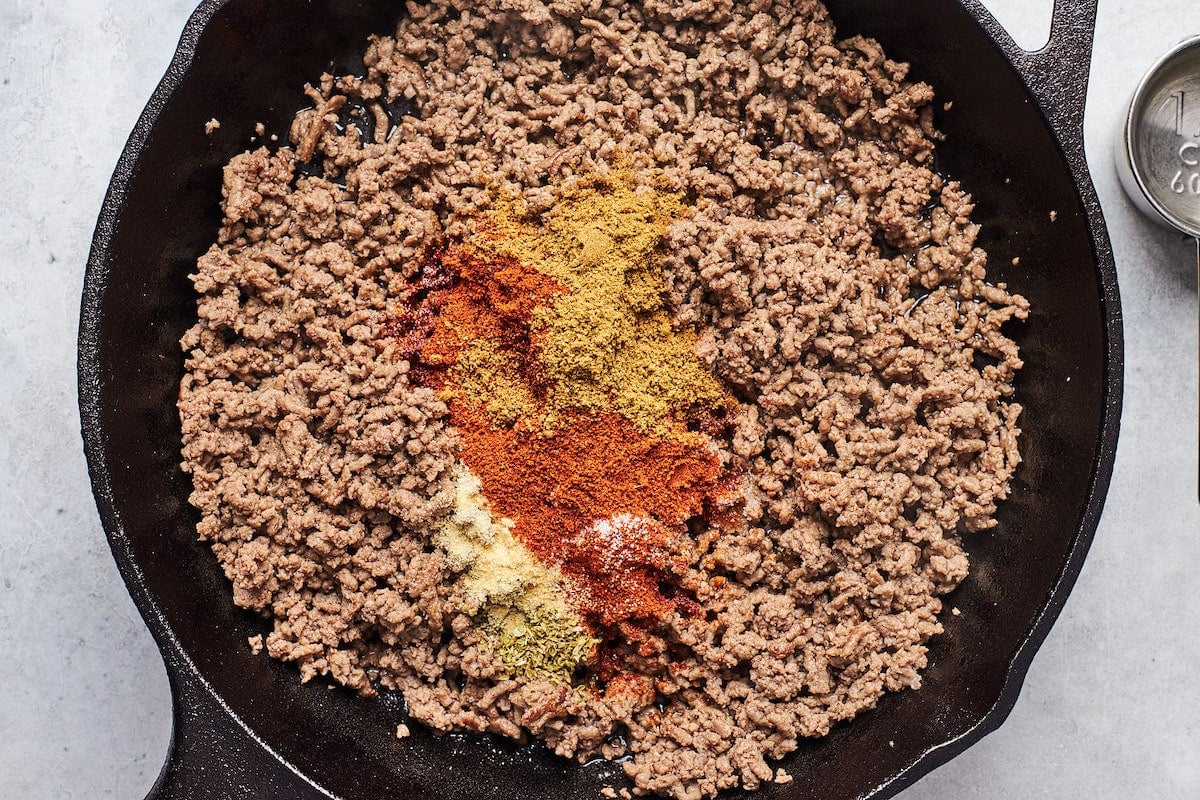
(610, 375)
(574, 397)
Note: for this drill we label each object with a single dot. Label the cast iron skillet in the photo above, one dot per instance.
(245, 727)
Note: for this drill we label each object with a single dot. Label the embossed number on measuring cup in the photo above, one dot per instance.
(1178, 99)
(1185, 180)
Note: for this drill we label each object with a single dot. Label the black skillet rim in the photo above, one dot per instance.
(1068, 128)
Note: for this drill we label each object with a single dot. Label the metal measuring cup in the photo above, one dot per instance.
(1158, 157)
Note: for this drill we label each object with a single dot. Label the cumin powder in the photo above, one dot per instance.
(607, 342)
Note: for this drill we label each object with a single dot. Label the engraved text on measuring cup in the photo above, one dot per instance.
(1187, 179)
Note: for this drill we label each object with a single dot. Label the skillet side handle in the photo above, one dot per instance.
(212, 757)
(1058, 73)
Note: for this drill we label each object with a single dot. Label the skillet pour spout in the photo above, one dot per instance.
(245, 727)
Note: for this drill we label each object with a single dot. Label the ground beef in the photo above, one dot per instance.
(832, 278)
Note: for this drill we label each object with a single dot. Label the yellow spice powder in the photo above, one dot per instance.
(488, 375)
(608, 343)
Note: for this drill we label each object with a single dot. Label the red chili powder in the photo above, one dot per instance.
(563, 491)
(462, 294)
(425, 295)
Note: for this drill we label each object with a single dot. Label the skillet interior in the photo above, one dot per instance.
(250, 63)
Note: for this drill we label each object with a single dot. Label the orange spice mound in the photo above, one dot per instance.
(463, 294)
(559, 490)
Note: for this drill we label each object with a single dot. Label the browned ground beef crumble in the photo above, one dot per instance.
(869, 431)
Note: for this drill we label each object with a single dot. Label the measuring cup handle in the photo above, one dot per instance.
(1057, 74)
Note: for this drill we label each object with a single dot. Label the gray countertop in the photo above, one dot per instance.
(1109, 709)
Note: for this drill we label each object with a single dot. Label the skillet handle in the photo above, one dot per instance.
(212, 757)
(1058, 73)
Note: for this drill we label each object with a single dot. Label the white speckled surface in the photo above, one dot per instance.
(1110, 706)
